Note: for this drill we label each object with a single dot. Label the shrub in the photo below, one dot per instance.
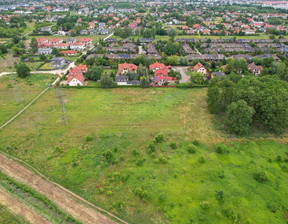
(159, 138)
(140, 161)
(204, 205)
(88, 138)
(151, 148)
(143, 194)
(191, 148)
(220, 149)
(173, 145)
(260, 177)
(109, 193)
(135, 152)
(220, 196)
(279, 158)
(202, 159)
(162, 198)
(196, 143)
(101, 190)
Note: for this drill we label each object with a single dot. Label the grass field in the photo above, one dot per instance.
(107, 154)
(26, 89)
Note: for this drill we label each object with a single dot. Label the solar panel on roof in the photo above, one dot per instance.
(156, 78)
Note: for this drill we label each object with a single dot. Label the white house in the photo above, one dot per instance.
(77, 46)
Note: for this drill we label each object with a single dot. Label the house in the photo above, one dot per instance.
(163, 72)
(69, 52)
(77, 46)
(61, 46)
(45, 29)
(76, 80)
(219, 75)
(86, 41)
(126, 67)
(57, 62)
(161, 80)
(155, 66)
(45, 51)
(255, 69)
(61, 33)
(249, 32)
(84, 32)
(121, 79)
(93, 32)
(55, 41)
(75, 76)
(70, 41)
(200, 68)
(42, 40)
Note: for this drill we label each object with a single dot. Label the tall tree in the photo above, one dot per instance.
(34, 44)
(22, 70)
(239, 117)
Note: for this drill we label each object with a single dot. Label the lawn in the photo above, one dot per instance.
(106, 154)
(47, 66)
(12, 100)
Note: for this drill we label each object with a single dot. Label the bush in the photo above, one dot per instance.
(173, 145)
(143, 194)
(202, 159)
(151, 148)
(159, 138)
(139, 162)
(191, 148)
(260, 177)
(109, 193)
(196, 143)
(88, 138)
(162, 198)
(204, 205)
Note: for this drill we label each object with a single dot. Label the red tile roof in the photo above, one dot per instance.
(157, 65)
(198, 66)
(127, 66)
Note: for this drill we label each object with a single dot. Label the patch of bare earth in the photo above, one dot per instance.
(60, 197)
(20, 209)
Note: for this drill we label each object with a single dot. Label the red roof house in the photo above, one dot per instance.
(126, 67)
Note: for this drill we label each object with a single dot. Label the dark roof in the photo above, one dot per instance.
(121, 78)
(134, 82)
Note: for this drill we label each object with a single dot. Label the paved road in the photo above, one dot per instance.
(182, 71)
(20, 209)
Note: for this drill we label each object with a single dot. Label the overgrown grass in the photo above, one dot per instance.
(8, 218)
(26, 89)
(39, 202)
(108, 155)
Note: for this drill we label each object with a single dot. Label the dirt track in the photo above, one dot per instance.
(61, 198)
(20, 209)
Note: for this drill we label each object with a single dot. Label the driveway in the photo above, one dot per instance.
(182, 71)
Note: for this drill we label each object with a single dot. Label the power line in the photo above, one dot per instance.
(62, 100)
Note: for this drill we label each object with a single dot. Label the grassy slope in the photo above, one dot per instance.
(128, 119)
(29, 88)
(8, 218)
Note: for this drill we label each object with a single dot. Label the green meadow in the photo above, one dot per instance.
(153, 156)
(12, 99)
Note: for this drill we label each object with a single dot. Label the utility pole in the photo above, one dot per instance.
(64, 113)
(16, 90)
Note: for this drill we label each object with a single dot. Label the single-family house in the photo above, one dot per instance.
(45, 51)
(200, 68)
(255, 69)
(126, 67)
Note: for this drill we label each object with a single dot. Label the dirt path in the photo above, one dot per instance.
(57, 194)
(20, 209)
(184, 78)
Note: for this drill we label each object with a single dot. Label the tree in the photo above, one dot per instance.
(106, 81)
(213, 100)
(34, 44)
(141, 70)
(172, 33)
(183, 61)
(55, 52)
(197, 78)
(173, 60)
(22, 70)
(94, 73)
(239, 117)
(144, 82)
